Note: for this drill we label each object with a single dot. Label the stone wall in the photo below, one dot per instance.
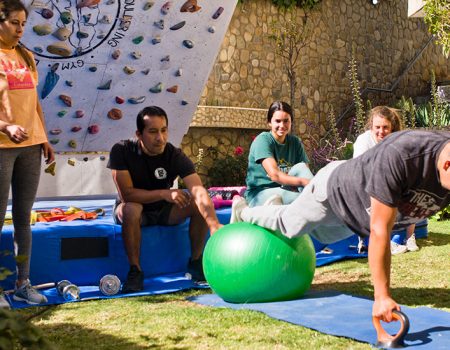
(394, 56)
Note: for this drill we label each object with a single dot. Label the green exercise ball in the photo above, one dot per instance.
(245, 263)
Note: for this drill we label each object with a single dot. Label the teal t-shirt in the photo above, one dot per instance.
(264, 146)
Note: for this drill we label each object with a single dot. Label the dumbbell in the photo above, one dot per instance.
(68, 290)
(109, 285)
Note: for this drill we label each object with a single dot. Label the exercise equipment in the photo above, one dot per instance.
(246, 263)
(68, 290)
(109, 285)
(384, 339)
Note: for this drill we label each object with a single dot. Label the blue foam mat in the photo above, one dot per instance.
(152, 286)
(348, 316)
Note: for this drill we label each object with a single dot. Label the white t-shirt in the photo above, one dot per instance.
(363, 143)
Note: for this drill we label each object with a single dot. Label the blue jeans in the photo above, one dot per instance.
(298, 170)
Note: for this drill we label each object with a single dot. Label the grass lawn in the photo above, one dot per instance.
(171, 322)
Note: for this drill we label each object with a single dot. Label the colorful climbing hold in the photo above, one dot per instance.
(87, 3)
(173, 89)
(184, 102)
(67, 100)
(76, 128)
(178, 25)
(93, 129)
(79, 113)
(116, 54)
(217, 13)
(137, 40)
(50, 81)
(66, 17)
(51, 169)
(60, 49)
(42, 29)
(145, 71)
(54, 141)
(179, 72)
(47, 13)
(62, 113)
(129, 70)
(188, 43)
(92, 68)
(120, 100)
(136, 100)
(106, 19)
(157, 88)
(82, 35)
(156, 40)
(62, 33)
(148, 5)
(105, 86)
(166, 7)
(69, 83)
(55, 131)
(115, 113)
(212, 29)
(72, 144)
(159, 24)
(136, 55)
(190, 6)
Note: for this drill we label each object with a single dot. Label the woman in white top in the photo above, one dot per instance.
(383, 121)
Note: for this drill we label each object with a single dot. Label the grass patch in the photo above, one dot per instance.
(171, 322)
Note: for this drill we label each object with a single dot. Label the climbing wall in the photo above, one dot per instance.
(101, 61)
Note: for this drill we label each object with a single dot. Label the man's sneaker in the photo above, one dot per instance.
(135, 280)
(27, 293)
(239, 203)
(195, 270)
(411, 244)
(398, 248)
(3, 302)
(276, 199)
(362, 248)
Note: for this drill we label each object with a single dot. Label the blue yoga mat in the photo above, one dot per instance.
(152, 286)
(347, 316)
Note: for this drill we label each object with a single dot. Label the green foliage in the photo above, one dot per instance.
(356, 93)
(15, 331)
(229, 169)
(438, 20)
(328, 148)
(408, 114)
(444, 214)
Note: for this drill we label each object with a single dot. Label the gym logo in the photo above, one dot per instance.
(160, 173)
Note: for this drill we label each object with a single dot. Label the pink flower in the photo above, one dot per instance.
(238, 151)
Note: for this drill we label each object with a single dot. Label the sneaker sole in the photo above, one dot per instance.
(16, 298)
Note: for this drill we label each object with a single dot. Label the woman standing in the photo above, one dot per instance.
(23, 140)
(382, 122)
(277, 163)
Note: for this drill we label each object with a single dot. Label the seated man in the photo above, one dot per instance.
(144, 171)
(398, 182)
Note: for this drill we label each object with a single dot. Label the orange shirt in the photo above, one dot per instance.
(18, 99)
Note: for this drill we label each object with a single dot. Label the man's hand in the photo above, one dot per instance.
(383, 307)
(16, 133)
(179, 197)
(49, 154)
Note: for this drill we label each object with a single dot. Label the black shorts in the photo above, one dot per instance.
(150, 217)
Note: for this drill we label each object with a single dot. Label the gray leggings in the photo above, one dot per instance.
(21, 168)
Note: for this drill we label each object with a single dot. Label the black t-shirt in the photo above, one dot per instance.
(150, 172)
(400, 172)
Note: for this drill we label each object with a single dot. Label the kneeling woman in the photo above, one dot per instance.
(277, 162)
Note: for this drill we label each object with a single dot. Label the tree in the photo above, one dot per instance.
(437, 17)
(290, 37)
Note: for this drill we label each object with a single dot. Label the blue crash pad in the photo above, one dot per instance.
(348, 316)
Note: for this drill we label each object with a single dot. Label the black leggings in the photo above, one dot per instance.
(21, 168)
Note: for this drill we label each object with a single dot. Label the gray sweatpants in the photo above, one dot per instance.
(21, 168)
(309, 213)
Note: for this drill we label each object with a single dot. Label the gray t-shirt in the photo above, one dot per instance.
(399, 172)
